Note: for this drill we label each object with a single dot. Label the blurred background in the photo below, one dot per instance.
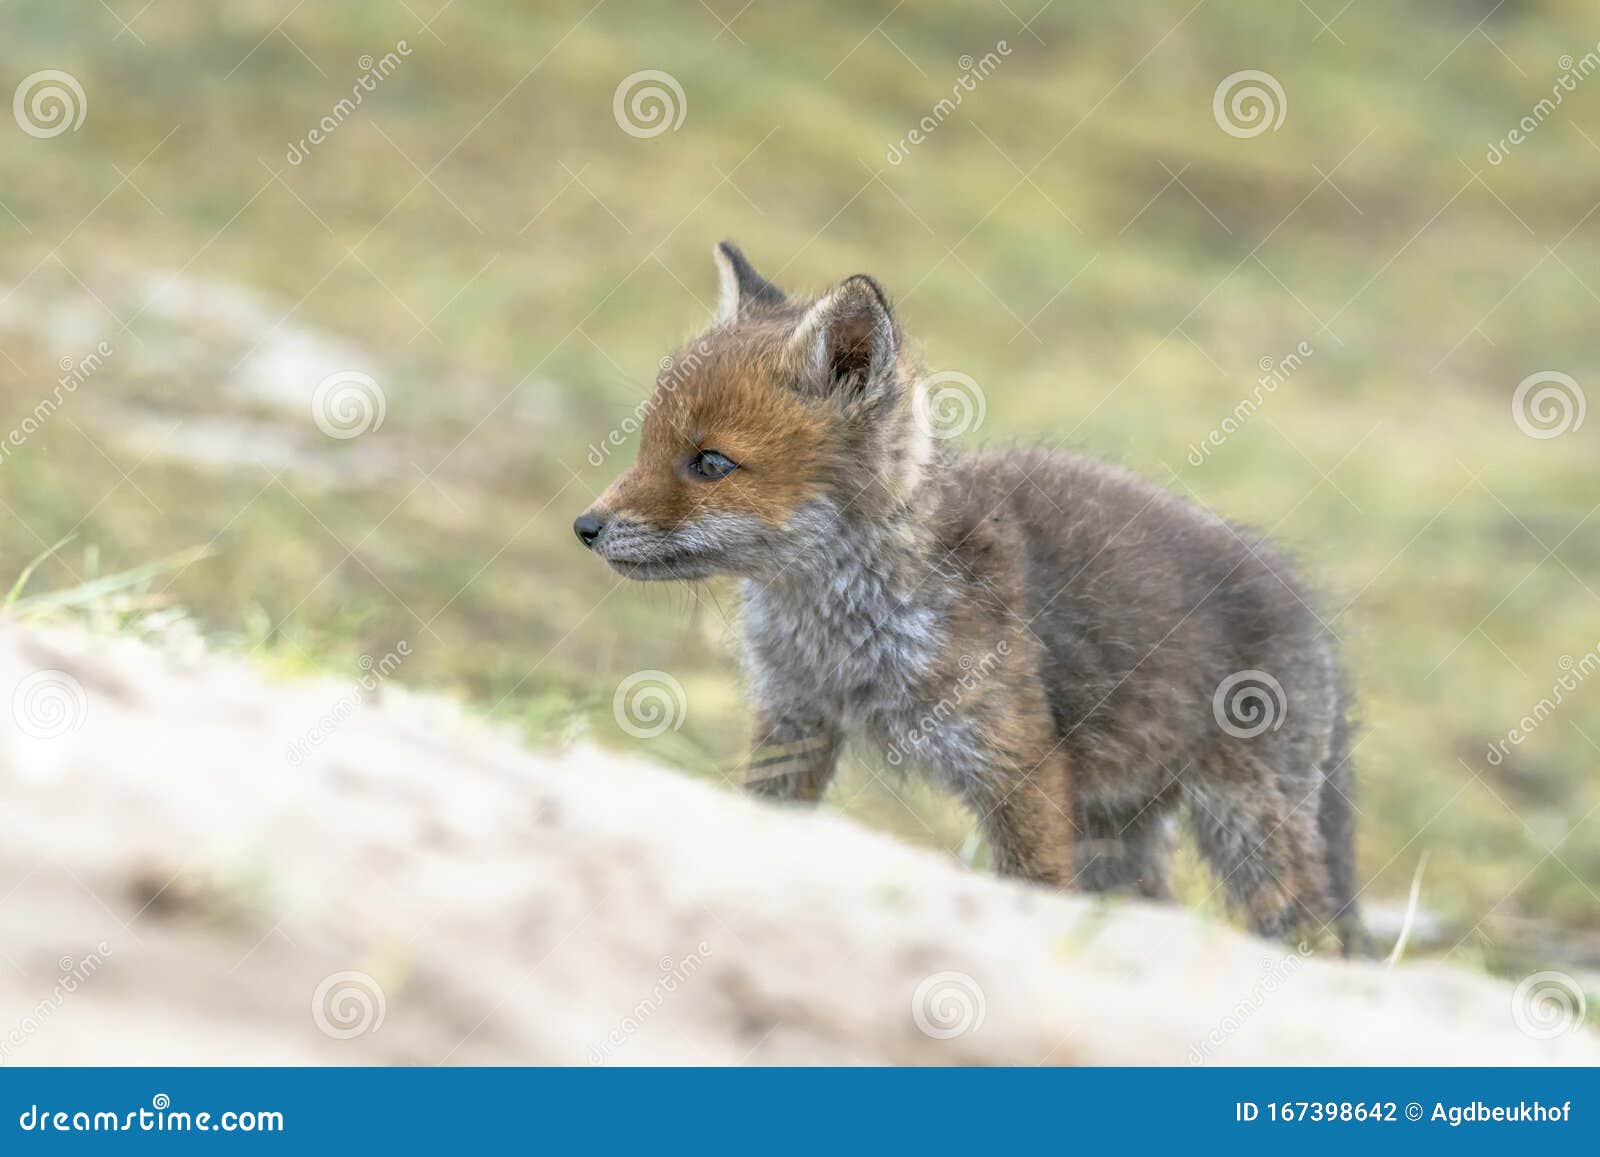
(316, 319)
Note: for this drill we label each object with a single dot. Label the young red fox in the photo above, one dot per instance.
(1072, 650)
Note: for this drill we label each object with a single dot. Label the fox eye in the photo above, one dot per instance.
(710, 465)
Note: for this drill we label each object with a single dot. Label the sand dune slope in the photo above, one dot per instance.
(201, 865)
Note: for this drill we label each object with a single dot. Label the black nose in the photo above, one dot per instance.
(587, 527)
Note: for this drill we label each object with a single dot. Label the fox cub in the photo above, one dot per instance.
(1076, 653)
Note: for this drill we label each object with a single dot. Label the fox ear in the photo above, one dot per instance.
(848, 340)
(742, 286)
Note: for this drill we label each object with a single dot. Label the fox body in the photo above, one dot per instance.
(1076, 653)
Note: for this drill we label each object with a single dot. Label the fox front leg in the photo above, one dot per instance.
(1025, 811)
(792, 757)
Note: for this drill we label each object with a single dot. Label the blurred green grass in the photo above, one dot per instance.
(1080, 237)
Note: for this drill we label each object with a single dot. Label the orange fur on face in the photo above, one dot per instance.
(732, 401)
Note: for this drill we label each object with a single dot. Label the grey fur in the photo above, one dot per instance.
(1145, 604)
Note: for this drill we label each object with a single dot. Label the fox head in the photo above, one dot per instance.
(783, 420)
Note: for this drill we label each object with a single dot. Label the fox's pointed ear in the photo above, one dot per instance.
(742, 286)
(848, 341)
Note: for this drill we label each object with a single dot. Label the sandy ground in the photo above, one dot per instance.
(177, 887)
